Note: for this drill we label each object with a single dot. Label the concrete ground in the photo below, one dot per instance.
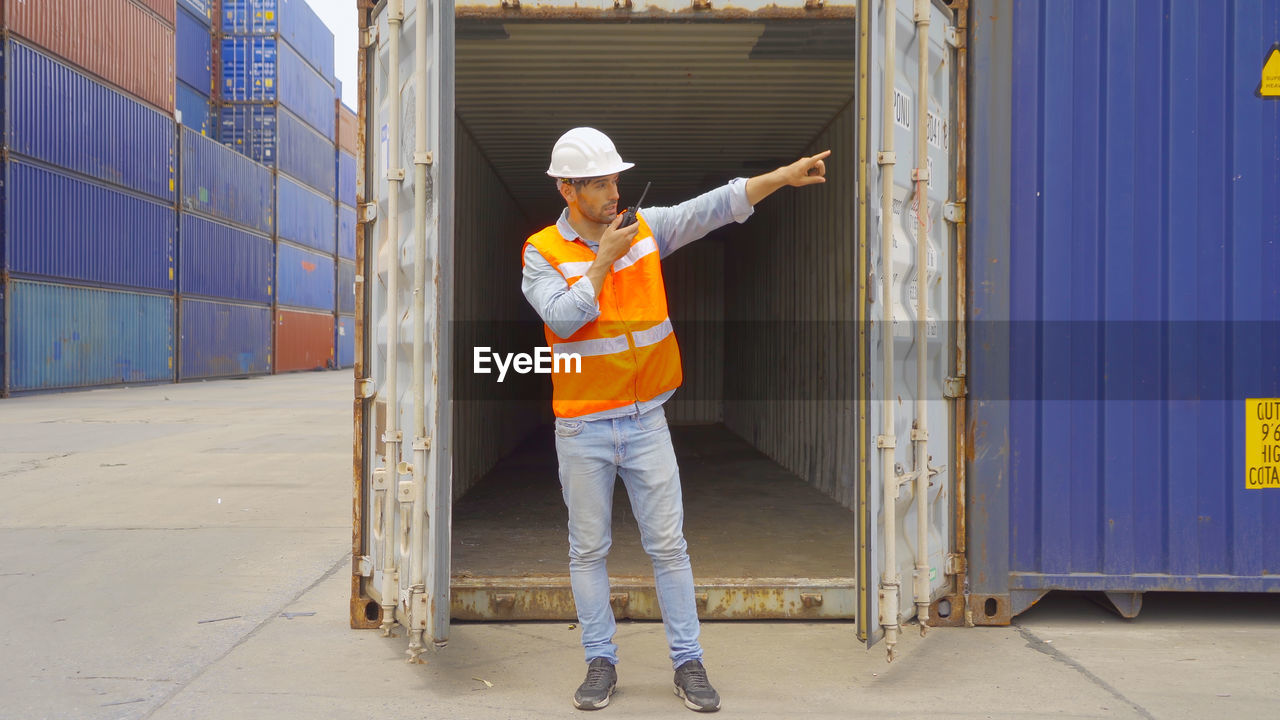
(182, 551)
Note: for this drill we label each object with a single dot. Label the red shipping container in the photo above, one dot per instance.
(347, 130)
(304, 341)
(118, 40)
(164, 8)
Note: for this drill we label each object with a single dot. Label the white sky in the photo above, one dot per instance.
(340, 16)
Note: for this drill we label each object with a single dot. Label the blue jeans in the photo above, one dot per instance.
(592, 454)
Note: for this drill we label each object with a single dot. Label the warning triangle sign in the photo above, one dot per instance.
(1269, 86)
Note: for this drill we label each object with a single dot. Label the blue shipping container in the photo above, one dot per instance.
(346, 232)
(261, 70)
(304, 279)
(223, 261)
(223, 340)
(222, 183)
(1125, 281)
(346, 287)
(293, 20)
(62, 336)
(345, 342)
(346, 179)
(277, 138)
(63, 226)
(195, 110)
(202, 9)
(82, 125)
(304, 216)
(193, 46)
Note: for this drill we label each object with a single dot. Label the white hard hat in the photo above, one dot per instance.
(583, 153)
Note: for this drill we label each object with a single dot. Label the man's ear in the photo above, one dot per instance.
(566, 191)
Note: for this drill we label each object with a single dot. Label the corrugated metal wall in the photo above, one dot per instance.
(60, 116)
(293, 20)
(790, 334)
(490, 310)
(304, 340)
(694, 277)
(222, 183)
(224, 261)
(1141, 264)
(222, 339)
(304, 278)
(61, 226)
(116, 40)
(60, 336)
(305, 216)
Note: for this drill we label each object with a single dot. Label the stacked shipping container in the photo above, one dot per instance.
(225, 261)
(87, 247)
(276, 90)
(345, 342)
(193, 50)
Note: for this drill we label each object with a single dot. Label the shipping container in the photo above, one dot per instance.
(62, 226)
(119, 41)
(194, 52)
(782, 404)
(221, 339)
(346, 288)
(346, 232)
(304, 216)
(82, 125)
(292, 20)
(346, 126)
(262, 70)
(346, 179)
(276, 137)
(224, 261)
(345, 344)
(304, 340)
(195, 110)
(163, 8)
(202, 9)
(220, 182)
(62, 336)
(304, 279)
(1124, 296)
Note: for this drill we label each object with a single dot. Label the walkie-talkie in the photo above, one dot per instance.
(629, 216)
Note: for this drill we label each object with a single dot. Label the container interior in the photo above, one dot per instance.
(765, 425)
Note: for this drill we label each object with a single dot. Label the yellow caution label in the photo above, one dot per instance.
(1262, 443)
(1269, 86)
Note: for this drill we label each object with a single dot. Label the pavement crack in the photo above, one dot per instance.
(1035, 643)
(29, 465)
(344, 561)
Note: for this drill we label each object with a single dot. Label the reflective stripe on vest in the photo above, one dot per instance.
(629, 352)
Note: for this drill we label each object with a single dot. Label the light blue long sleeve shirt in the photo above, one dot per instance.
(566, 308)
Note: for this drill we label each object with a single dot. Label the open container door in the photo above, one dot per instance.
(909, 407)
(406, 219)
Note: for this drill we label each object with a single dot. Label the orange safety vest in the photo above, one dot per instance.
(629, 352)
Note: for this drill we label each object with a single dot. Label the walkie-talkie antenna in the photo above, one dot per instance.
(642, 196)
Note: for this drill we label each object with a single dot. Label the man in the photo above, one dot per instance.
(598, 287)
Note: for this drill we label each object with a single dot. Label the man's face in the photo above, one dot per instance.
(597, 198)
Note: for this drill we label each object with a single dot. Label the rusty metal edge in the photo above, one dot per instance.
(862, 490)
(359, 598)
(653, 14)
(957, 598)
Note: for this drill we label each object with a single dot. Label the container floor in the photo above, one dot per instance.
(746, 517)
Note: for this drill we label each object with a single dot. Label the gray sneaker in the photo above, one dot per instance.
(594, 692)
(693, 688)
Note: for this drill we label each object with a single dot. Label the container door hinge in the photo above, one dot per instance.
(363, 566)
(510, 4)
(955, 564)
(953, 212)
(365, 388)
(812, 4)
(701, 4)
(368, 212)
(955, 36)
(369, 37)
(955, 387)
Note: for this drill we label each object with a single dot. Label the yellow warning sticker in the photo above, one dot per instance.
(1262, 443)
(1269, 86)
